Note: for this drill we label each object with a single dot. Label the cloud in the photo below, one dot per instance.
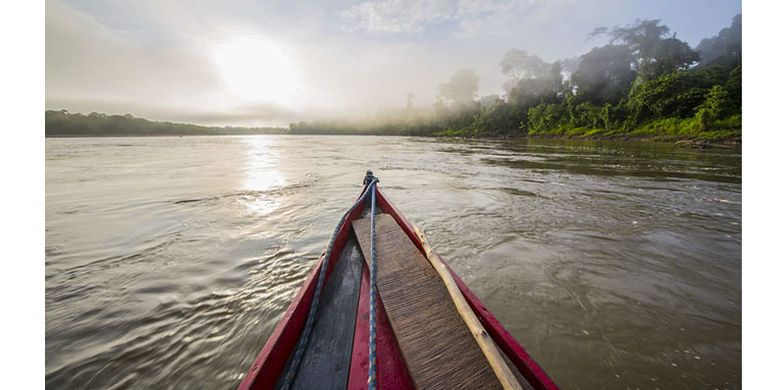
(481, 17)
(496, 19)
(398, 16)
(91, 67)
(471, 17)
(161, 59)
(85, 58)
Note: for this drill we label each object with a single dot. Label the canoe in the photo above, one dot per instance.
(423, 328)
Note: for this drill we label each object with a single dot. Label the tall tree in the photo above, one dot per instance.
(604, 74)
(654, 51)
(725, 48)
(461, 89)
(520, 65)
(532, 81)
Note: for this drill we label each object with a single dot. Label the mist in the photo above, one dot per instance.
(365, 62)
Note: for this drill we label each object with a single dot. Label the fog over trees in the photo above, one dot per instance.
(643, 82)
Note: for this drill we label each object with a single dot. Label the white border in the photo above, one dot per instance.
(22, 151)
(761, 193)
(23, 195)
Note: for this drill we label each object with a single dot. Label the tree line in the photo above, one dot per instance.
(643, 82)
(61, 123)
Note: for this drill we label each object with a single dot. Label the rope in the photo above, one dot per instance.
(372, 299)
(303, 341)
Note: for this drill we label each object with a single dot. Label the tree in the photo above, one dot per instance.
(556, 78)
(725, 48)
(520, 65)
(489, 101)
(673, 55)
(674, 94)
(654, 51)
(532, 81)
(461, 89)
(734, 89)
(717, 100)
(604, 74)
(499, 118)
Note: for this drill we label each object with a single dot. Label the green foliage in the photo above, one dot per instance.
(706, 117)
(586, 115)
(689, 128)
(642, 83)
(502, 118)
(678, 93)
(734, 89)
(545, 118)
(716, 103)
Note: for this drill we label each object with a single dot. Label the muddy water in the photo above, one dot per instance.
(170, 260)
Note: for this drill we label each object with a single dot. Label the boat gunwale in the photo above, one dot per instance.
(265, 371)
(267, 367)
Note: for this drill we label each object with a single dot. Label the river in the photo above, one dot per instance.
(169, 260)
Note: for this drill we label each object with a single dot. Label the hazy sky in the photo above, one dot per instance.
(258, 63)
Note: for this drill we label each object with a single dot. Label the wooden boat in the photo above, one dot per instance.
(430, 331)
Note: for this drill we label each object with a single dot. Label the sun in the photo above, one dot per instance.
(256, 70)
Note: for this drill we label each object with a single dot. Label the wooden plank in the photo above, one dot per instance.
(512, 349)
(489, 349)
(391, 370)
(326, 360)
(436, 344)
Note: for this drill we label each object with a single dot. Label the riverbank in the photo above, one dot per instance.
(667, 129)
(686, 132)
(708, 141)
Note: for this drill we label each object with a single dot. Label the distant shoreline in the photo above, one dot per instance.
(685, 132)
(63, 124)
(689, 142)
(131, 135)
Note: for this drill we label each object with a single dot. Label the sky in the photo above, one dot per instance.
(258, 63)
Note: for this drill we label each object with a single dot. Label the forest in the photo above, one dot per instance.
(61, 123)
(643, 83)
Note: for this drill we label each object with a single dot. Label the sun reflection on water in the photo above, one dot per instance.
(261, 175)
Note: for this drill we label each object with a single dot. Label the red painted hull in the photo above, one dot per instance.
(392, 373)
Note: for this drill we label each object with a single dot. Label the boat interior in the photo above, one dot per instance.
(422, 340)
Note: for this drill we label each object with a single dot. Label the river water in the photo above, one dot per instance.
(170, 260)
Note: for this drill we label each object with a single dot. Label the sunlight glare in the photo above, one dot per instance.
(262, 176)
(257, 70)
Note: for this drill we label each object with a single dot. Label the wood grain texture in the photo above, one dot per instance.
(439, 350)
(489, 349)
(391, 368)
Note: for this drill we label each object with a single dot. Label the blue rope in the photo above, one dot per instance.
(303, 341)
(372, 299)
